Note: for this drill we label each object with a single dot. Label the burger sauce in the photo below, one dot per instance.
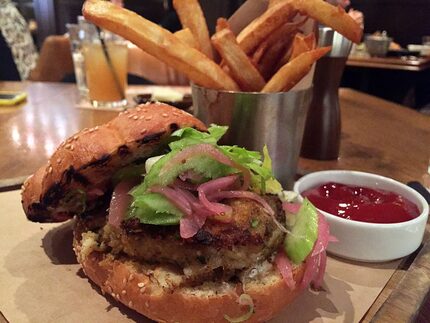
(361, 203)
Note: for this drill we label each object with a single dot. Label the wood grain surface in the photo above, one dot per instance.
(391, 63)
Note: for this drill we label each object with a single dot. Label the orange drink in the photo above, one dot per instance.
(106, 72)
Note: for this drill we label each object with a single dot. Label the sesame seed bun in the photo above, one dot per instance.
(89, 158)
(151, 292)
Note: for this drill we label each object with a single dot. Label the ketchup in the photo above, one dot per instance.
(361, 203)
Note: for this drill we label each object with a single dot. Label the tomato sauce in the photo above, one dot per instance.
(361, 203)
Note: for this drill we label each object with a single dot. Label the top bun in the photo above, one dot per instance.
(88, 159)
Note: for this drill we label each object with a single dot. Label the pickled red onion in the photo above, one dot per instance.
(190, 224)
(215, 186)
(188, 227)
(120, 202)
(174, 196)
(316, 261)
(284, 266)
(291, 207)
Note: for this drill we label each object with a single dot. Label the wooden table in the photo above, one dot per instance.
(406, 63)
(377, 136)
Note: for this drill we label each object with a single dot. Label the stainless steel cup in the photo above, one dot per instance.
(257, 119)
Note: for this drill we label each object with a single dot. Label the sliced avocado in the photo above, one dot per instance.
(299, 243)
(154, 208)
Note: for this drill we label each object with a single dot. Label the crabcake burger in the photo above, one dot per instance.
(175, 226)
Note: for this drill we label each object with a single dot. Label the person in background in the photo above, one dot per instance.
(18, 55)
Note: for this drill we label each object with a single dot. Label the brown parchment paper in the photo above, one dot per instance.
(40, 280)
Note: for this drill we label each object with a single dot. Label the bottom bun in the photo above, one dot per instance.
(150, 290)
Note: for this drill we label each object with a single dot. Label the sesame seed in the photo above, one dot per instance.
(176, 114)
(165, 115)
(145, 110)
(130, 304)
(123, 292)
(124, 281)
(58, 160)
(91, 130)
(72, 147)
(126, 112)
(143, 131)
(131, 277)
(135, 117)
(68, 146)
(130, 116)
(147, 304)
(75, 137)
(117, 296)
(96, 128)
(138, 109)
(142, 290)
(50, 170)
(141, 117)
(148, 118)
(113, 294)
(140, 285)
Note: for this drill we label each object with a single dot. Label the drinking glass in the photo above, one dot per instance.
(75, 38)
(105, 57)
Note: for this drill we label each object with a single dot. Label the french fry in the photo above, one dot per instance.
(292, 72)
(240, 66)
(282, 34)
(311, 41)
(268, 62)
(331, 16)
(260, 28)
(191, 16)
(299, 46)
(160, 43)
(187, 37)
(221, 23)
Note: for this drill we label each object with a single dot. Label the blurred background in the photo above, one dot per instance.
(405, 22)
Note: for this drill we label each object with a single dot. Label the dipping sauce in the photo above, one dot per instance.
(362, 203)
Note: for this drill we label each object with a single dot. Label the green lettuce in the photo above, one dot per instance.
(262, 180)
(154, 208)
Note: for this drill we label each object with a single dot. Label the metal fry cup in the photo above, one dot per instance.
(257, 119)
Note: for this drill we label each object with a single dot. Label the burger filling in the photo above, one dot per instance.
(209, 212)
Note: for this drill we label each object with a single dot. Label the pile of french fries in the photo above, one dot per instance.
(269, 55)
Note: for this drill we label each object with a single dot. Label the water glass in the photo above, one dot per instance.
(74, 33)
